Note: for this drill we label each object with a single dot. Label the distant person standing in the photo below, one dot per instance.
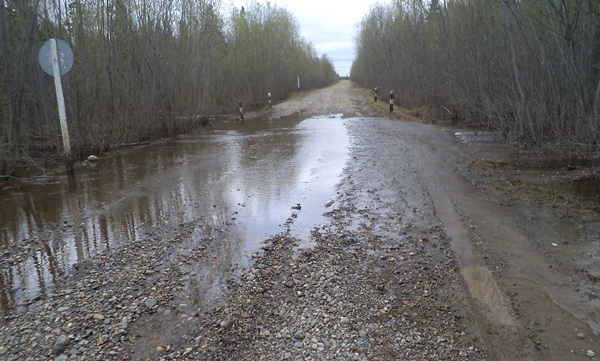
(376, 92)
(391, 101)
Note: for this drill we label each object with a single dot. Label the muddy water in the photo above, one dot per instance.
(241, 181)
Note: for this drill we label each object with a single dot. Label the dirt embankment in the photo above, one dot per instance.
(425, 256)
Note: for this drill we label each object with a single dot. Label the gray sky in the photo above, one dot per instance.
(329, 24)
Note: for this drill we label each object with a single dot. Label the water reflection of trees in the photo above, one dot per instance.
(116, 202)
(5, 296)
(201, 179)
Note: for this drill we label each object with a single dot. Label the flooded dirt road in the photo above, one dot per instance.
(317, 231)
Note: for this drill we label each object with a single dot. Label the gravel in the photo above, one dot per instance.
(342, 299)
(92, 312)
(327, 303)
(379, 284)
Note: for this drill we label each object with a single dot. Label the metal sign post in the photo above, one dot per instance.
(56, 58)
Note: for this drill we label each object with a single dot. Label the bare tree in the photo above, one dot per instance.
(143, 69)
(529, 69)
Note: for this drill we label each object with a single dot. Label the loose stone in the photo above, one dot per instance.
(590, 353)
(60, 344)
(150, 302)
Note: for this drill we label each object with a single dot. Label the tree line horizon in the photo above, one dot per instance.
(143, 69)
(146, 69)
(527, 69)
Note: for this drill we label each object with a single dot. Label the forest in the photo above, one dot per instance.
(143, 69)
(529, 70)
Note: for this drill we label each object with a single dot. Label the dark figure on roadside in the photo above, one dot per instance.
(391, 101)
(241, 112)
(376, 91)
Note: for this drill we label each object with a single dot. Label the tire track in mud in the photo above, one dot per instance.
(418, 178)
(499, 327)
(523, 308)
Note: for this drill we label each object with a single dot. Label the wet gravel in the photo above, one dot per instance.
(91, 314)
(340, 300)
(351, 297)
(380, 284)
(375, 286)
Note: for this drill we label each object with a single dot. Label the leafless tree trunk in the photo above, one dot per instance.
(143, 69)
(528, 69)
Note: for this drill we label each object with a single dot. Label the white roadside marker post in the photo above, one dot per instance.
(62, 114)
(56, 58)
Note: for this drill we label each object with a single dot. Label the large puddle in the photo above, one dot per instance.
(242, 179)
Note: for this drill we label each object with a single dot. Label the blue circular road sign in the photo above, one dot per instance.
(65, 57)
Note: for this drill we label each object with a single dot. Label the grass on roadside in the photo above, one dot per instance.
(382, 108)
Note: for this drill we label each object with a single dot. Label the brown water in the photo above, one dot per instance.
(239, 179)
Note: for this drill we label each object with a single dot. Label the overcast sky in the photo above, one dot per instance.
(329, 24)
